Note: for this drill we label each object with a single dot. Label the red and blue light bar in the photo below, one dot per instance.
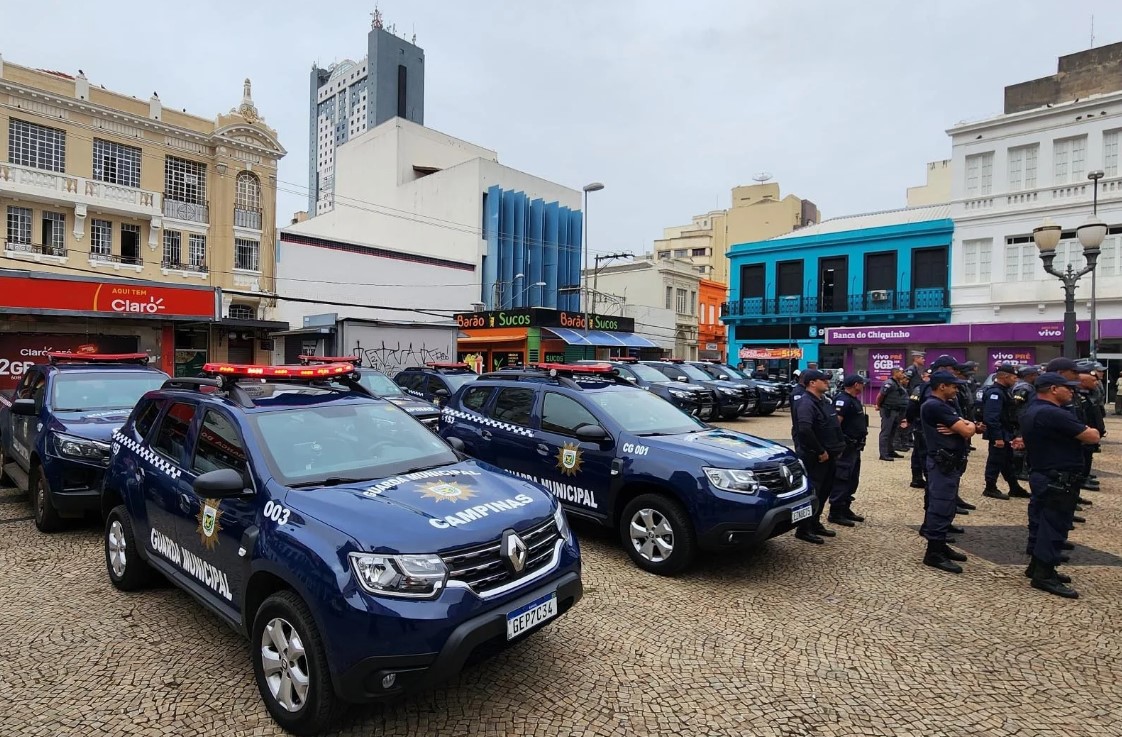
(67, 357)
(356, 360)
(278, 372)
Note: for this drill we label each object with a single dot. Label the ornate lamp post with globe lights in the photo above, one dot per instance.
(1047, 236)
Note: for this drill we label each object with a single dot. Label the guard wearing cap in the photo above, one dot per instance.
(854, 423)
(892, 403)
(1091, 412)
(1054, 439)
(1000, 424)
(1069, 369)
(913, 374)
(819, 443)
(1023, 392)
(946, 433)
(918, 396)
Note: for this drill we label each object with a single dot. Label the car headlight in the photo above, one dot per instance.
(726, 390)
(87, 450)
(403, 576)
(679, 394)
(732, 479)
(562, 523)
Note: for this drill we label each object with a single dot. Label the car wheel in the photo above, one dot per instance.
(657, 534)
(290, 664)
(127, 571)
(3, 460)
(47, 518)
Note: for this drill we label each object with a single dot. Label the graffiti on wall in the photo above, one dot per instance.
(391, 357)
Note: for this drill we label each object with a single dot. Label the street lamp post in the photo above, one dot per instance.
(527, 289)
(1095, 176)
(789, 298)
(1047, 237)
(496, 292)
(592, 187)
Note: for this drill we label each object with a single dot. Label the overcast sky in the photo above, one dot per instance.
(669, 104)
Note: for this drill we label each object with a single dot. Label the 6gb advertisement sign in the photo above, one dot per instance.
(18, 352)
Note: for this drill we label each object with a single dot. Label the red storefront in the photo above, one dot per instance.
(44, 312)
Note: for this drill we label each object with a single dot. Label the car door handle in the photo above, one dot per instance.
(486, 434)
(544, 449)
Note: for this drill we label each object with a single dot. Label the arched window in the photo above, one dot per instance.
(248, 192)
(241, 312)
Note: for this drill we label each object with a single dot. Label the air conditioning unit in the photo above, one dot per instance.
(879, 295)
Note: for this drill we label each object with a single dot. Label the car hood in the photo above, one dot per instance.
(468, 503)
(720, 448)
(96, 425)
(682, 387)
(414, 406)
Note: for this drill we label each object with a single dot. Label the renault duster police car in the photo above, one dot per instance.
(359, 552)
(624, 458)
(55, 428)
(436, 381)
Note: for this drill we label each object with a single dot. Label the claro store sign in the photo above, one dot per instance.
(105, 297)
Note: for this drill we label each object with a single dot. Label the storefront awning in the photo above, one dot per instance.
(601, 338)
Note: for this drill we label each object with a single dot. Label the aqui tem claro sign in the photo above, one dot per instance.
(539, 317)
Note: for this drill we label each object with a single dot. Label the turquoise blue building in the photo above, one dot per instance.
(877, 269)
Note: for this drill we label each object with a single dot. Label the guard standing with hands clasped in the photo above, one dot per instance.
(854, 423)
(998, 415)
(892, 402)
(946, 434)
(1022, 392)
(1054, 439)
(819, 442)
(913, 375)
(1091, 412)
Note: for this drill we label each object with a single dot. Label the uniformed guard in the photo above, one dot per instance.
(854, 424)
(1054, 439)
(913, 375)
(1069, 369)
(1092, 413)
(917, 395)
(892, 402)
(819, 442)
(1000, 423)
(946, 433)
(1022, 392)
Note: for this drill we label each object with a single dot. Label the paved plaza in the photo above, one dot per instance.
(855, 637)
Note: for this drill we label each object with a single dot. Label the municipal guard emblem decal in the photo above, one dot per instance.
(209, 526)
(568, 459)
(446, 490)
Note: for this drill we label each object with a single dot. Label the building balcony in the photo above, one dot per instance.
(190, 212)
(249, 218)
(41, 185)
(114, 258)
(177, 265)
(884, 304)
(35, 252)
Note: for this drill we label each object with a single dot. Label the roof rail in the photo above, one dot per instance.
(305, 359)
(57, 357)
(562, 373)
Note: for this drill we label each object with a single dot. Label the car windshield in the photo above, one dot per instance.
(101, 390)
(647, 373)
(371, 440)
(693, 372)
(644, 414)
(733, 373)
(457, 380)
(379, 384)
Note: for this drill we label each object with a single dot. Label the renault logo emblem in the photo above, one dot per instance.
(786, 474)
(514, 551)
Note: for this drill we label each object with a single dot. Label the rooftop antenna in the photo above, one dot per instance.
(762, 177)
(1092, 31)
(376, 18)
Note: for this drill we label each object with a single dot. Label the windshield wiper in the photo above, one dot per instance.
(329, 481)
(654, 434)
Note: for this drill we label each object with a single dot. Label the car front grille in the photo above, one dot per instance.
(482, 568)
(772, 478)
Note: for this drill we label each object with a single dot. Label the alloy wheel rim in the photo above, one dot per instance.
(651, 535)
(285, 664)
(40, 500)
(117, 548)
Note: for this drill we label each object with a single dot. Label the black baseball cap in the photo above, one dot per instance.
(812, 375)
(1026, 371)
(943, 361)
(1086, 366)
(966, 367)
(853, 380)
(1005, 368)
(944, 377)
(1051, 378)
(1061, 364)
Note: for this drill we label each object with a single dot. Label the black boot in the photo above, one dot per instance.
(1019, 491)
(820, 529)
(853, 516)
(1077, 518)
(956, 530)
(918, 482)
(993, 492)
(1084, 503)
(805, 534)
(1067, 546)
(1090, 485)
(1044, 577)
(838, 517)
(951, 554)
(1032, 569)
(963, 504)
(936, 558)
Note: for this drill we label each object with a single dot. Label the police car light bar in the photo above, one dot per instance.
(446, 364)
(356, 360)
(626, 359)
(278, 372)
(576, 368)
(66, 357)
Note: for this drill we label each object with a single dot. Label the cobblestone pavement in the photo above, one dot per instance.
(855, 637)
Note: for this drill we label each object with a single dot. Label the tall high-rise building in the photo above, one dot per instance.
(349, 97)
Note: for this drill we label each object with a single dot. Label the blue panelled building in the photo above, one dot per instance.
(877, 269)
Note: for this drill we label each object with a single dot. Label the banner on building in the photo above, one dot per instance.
(767, 354)
(881, 363)
(82, 296)
(1016, 355)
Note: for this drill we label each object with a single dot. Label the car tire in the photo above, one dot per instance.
(127, 570)
(3, 460)
(646, 523)
(282, 628)
(47, 518)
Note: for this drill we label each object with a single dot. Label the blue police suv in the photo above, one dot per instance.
(624, 458)
(55, 428)
(362, 555)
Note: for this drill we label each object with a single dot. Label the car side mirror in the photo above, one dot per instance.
(225, 482)
(723, 377)
(632, 379)
(591, 433)
(457, 444)
(24, 408)
(680, 378)
(441, 394)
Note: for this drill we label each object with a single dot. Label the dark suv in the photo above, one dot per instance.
(361, 554)
(769, 396)
(434, 382)
(55, 429)
(617, 455)
(690, 398)
(733, 400)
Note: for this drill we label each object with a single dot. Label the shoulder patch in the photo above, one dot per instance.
(840, 403)
(995, 396)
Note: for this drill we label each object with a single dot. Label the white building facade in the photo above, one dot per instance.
(661, 295)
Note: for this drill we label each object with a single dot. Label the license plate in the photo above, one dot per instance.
(798, 514)
(531, 615)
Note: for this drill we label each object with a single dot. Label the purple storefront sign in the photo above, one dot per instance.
(1016, 355)
(881, 363)
(898, 335)
(993, 333)
(1022, 332)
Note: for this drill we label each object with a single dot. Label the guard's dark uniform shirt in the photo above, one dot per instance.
(997, 413)
(893, 396)
(935, 412)
(1049, 433)
(854, 421)
(1022, 393)
(913, 375)
(964, 401)
(816, 427)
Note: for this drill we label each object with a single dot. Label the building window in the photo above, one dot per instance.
(19, 226)
(116, 163)
(1108, 258)
(36, 145)
(669, 297)
(173, 248)
(979, 174)
(184, 181)
(664, 255)
(681, 305)
(1070, 157)
(483, 228)
(693, 301)
(699, 252)
(54, 233)
(977, 255)
(101, 238)
(196, 250)
(1022, 167)
(1110, 153)
(1020, 262)
(247, 201)
(130, 244)
(247, 254)
(679, 253)
(241, 312)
